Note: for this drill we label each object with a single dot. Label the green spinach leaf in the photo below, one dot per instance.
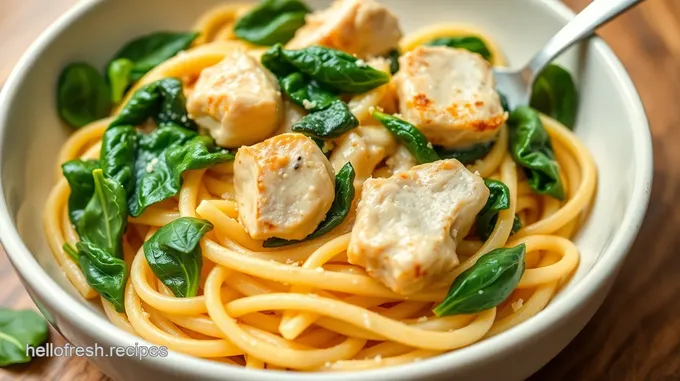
(504, 102)
(71, 251)
(306, 93)
(329, 123)
(83, 95)
(104, 219)
(271, 22)
(118, 73)
(466, 155)
(146, 52)
(470, 43)
(344, 196)
(531, 148)
(408, 135)
(174, 255)
(78, 173)
(117, 156)
(332, 69)
(162, 100)
(486, 284)
(554, 94)
(393, 57)
(499, 199)
(516, 225)
(154, 144)
(104, 272)
(163, 179)
(19, 329)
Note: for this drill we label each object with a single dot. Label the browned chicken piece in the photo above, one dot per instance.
(450, 95)
(238, 101)
(284, 187)
(408, 225)
(361, 27)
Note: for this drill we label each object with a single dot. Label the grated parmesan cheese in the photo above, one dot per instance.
(327, 146)
(151, 165)
(361, 63)
(308, 105)
(516, 305)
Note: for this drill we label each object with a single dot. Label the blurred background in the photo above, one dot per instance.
(636, 333)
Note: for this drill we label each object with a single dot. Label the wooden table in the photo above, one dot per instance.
(636, 333)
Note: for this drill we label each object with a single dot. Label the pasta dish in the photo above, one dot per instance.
(282, 188)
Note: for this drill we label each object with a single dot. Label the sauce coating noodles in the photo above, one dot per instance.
(304, 306)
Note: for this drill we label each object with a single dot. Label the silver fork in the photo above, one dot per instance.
(516, 84)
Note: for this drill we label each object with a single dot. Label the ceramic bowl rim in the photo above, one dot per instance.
(98, 327)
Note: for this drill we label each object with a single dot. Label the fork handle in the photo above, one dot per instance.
(594, 15)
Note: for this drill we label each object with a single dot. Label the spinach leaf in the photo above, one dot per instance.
(274, 60)
(499, 199)
(329, 123)
(408, 135)
(554, 94)
(393, 57)
(271, 22)
(504, 101)
(19, 329)
(104, 219)
(153, 145)
(83, 95)
(466, 155)
(174, 255)
(516, 225)
(148, 51)
(332, 69)
(71, 251)
(162, 100)
(531, 148)
(470, 43)
(118, 74)
(117, 156)
(344, 195)
(104, 272)
(306, 93)
(78, 173)
(163, 179)
(486, 284)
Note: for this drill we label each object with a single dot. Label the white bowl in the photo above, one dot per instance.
(611, 123)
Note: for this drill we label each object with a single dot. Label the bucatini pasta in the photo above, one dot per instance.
(353, 197)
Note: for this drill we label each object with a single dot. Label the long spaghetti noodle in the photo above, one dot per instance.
(305, 307)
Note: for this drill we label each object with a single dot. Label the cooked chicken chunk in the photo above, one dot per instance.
(292, 114)
(408, 225)
(238, 101)
(365, 147)
(450, 95)
(284, 187)
(401, 161)
(361, 27)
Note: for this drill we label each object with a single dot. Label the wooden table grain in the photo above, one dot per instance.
(636, 333)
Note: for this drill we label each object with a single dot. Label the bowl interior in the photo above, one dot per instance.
(610, 123)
